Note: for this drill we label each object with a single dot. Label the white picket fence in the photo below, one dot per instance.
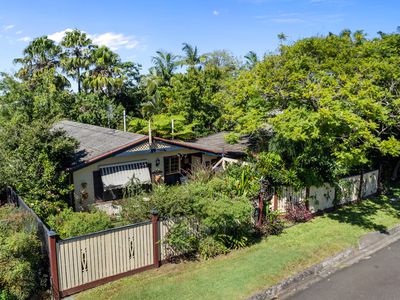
(323, 197)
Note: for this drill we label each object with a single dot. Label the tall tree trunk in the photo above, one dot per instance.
(79, 81)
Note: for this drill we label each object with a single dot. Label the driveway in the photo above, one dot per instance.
(376, 277)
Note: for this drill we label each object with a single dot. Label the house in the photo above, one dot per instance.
(108, 159)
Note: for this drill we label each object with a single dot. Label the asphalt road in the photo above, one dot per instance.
(376, 277)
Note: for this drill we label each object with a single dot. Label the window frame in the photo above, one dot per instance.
(167, 165)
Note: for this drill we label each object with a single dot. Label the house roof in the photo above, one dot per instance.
(217, 141)
(97, 143)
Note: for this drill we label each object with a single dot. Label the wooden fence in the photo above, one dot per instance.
(326, 196)
(93, 259)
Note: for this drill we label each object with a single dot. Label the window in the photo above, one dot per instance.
(171, 165)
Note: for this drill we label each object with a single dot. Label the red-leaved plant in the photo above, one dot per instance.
(297, 212)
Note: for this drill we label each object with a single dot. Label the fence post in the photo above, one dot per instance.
(360, 192)
(275, 201)
(154, 222)
(53, 265)
(260, 209)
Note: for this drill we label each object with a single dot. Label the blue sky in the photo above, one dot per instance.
(136, 29)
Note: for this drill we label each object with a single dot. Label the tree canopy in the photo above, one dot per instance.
(318, 108)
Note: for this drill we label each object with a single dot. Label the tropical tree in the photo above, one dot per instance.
(359, 36)
(106, 76)
(191, 56)
(165, 64)
(282, 37)
(221, 59)
(41, 54)
(251, 59)
(76, 58)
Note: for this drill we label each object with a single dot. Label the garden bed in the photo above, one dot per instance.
(244, 272)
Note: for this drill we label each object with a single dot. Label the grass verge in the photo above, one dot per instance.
(244, 272)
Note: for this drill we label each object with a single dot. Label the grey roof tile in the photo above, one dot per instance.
(95, 140)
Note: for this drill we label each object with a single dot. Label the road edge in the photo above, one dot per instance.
(367, 245)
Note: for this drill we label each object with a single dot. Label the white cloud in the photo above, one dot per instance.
(115, 41)
(58, 36)
(215, 12)
(18, 32)
(8, 27)
(25, 39)
(112, 40)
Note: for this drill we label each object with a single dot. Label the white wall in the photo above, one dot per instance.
(86, 174)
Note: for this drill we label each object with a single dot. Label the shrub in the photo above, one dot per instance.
(297, 212)
(21, 269)
(69, 223)
(273, 224)
(183, 238)
(242, 180)
(44, 208)
(211, 202)
(210, 247)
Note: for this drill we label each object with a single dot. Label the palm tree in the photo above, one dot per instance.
(191, 56)
(41, 54)
(107, 74)
(345, 33)
(164, 65)
(251, 59)
(282, 37)
(152, 102)
(77, 56)
(359, 37)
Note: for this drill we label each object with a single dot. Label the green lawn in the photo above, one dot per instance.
(244, 272)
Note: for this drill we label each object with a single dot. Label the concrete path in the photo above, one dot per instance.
(375, 277)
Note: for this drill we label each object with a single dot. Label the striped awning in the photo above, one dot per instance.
(119, 175)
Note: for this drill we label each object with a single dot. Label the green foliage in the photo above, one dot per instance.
(68, 223)
(243, 180)
(45, 208)
(212, 205)
(97, 109)
(272, 225)
(20, 259)
(161, 125)
(182, 237)
(41, 178)
(210, 247)
(232, 138)
(272, 168)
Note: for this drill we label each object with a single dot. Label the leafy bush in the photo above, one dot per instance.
(209, 202)
(41, 178)
(21, 272)
(210, 247)
(44, 209)
(182, 237)
(273, 224)
(68, 223)
(297, 212)
(243, 180)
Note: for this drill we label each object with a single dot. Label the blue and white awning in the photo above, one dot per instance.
(120, 175)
